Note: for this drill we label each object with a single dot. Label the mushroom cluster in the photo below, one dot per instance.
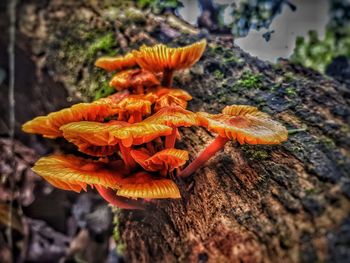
(131, 135)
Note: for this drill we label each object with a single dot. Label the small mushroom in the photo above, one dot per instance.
(92, 138)
(114, 133)
(69, 172)
(134, 107)
(144, 185)
(173, 117)
(246, 124)
(161, 58)
(164, 161)
(116, 63)
(136, 79)
(49, 125)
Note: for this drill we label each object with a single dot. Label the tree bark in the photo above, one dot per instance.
(285, 203)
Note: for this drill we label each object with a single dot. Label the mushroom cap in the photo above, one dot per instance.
(92, 138)
(167, 159)
(178, 93)
(49, 125)
(137, 103)
(174, 116)
(169, 101)
(161, 57)
(245, 124)
(132, 78)
(139, 133)
(144, 185)
(69, 172)
(113, 99)
(116, 63)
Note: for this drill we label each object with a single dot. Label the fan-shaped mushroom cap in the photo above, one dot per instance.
(116, 63)
(160, 57)
(92, 138)
(103, 134)
(141, 132)
(167, 159)
(49, 125)
(137, 103)
(174, 116)
(69, 172)
(245, 124)
(143, 185)
(132, 78)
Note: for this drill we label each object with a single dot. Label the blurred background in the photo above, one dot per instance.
(313, 33)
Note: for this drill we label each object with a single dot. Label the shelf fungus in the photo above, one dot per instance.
(245, 124)
(116, 63)
(133, 132)
(161, 58)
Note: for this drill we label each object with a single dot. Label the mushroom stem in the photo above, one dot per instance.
(167, 80)
(171, 139)
(135, 117)
(111, 197)
(150, 148)
(128, 160)
(204, 156)
(139, 89)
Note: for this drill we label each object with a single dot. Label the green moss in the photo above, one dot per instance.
(290, 91)
(218, 74)
(120, 245)
(105, 44)
(104, 91)
(249, 80)
(289, 77)
(254, 153)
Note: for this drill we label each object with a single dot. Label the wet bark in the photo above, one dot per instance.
(248, 204)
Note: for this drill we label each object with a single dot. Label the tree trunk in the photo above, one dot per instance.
(286, 203)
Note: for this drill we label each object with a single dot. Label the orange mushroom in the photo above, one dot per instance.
(170, 97)
(113, 133)
(69, 172)
(174, 117)
(116, 63)
(163, 161)
(49, 125)
(161, 58)
(135, 79)
(134, 107)
(246, 124)
(144, 185)
(92, 138)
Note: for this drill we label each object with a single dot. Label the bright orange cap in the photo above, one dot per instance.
(174, 116)
(116, 63)
(167, 159)
(245, 124)
(139, 133)
(160, 57)
(133, 78)
(69, 172)
(143, 185)
(136, 103)
(50, 124)
(92, 138)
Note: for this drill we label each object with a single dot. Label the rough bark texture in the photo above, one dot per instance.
(285, 203)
